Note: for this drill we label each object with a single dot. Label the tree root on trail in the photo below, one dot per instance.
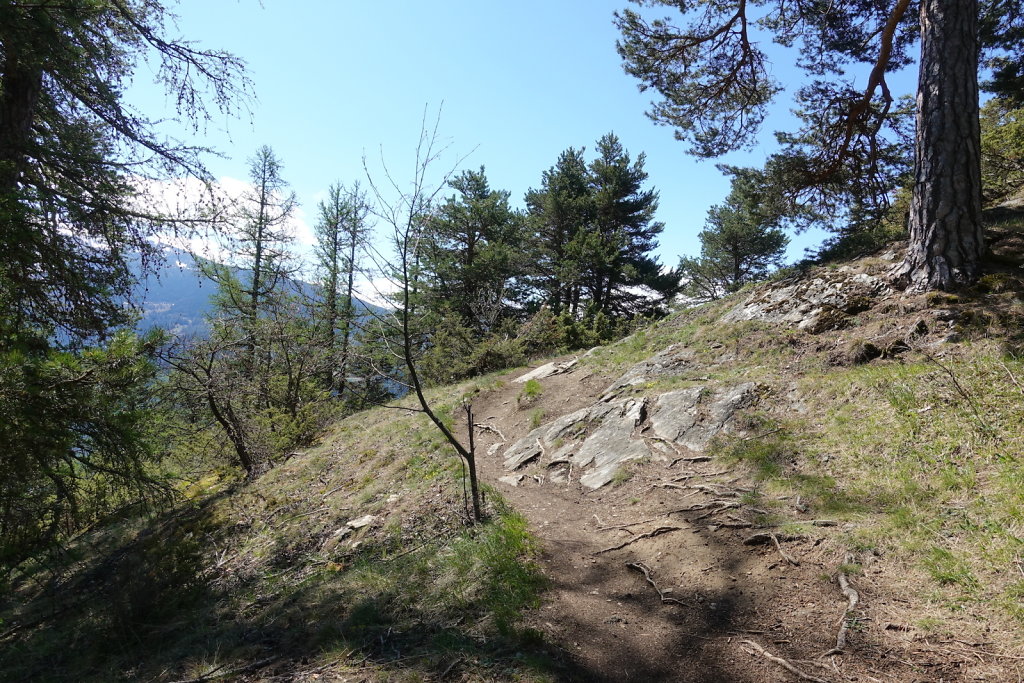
(713, 508)
(762, 538)
(489, 428)
(650, 534)
(646, 571)
(757, 649)
(853, 597)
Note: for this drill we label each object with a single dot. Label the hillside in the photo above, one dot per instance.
(817, 478)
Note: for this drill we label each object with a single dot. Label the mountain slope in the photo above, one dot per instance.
(818, 472)
(176, 298)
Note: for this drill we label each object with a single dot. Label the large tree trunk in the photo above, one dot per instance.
(946, 239)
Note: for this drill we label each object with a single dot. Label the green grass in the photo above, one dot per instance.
(241, 573)
(532, 390)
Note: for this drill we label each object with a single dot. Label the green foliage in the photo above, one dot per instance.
(475, 254)
(75, 431)
(532, 389)
(341, 233)
(596, 230)
(81, 175)
(740, 243)
(77, 200)
(1002, 150)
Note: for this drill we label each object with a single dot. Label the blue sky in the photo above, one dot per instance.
(519, 81)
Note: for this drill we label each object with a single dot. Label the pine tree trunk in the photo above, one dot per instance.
(946, 239)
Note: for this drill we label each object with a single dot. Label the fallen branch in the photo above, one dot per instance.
(650, 534)
(852, 599)
(1012, 378)
(646, 571)
(781, 662)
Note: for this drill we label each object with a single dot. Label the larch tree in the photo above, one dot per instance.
(341, 234)
(256, 272)
(716, 86)
(80, 198)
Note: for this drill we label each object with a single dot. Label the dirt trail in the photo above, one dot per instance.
(715, 591)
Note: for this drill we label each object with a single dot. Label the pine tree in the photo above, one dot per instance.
(558, 212)
(716, 86)
(475, 248)
(595, 230)
(740, 243)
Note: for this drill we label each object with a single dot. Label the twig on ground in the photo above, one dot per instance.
(209, 676)
(1012, 378)
(786, 556)
(853, 597)
(695, 458)
(650, 534)
(646, 571)
(757, 649)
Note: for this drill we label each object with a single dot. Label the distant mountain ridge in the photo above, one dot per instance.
(175, 297)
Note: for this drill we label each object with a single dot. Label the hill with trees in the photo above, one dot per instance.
(546, 456)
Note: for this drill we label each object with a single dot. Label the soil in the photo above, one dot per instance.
(718, 609)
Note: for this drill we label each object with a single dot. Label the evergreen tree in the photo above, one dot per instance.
(1002, 150)
(558, 212)
(595, 230)
(474, 251)
(622, 278)
(740, 243)
(341, 233)
(77, 170)
(253, 281)
(716, 87)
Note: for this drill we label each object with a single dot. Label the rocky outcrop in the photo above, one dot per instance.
(814, 304)
(599, 440)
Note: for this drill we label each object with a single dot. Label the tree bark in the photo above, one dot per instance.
(946, 239)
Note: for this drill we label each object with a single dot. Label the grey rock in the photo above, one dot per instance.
(812, 303)
(611, 445)
(672, 361)
(547, 370)
(364, 521)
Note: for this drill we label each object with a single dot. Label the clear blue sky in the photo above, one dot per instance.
(520, 82)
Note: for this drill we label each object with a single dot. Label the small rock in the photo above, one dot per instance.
(495, 448)
(511, 480)
(364, 521)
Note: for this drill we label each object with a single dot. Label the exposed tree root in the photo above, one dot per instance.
(484, 427)
(853, 597)
(762, 538)
(757, 649)
(646, 571)
(650, 534)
